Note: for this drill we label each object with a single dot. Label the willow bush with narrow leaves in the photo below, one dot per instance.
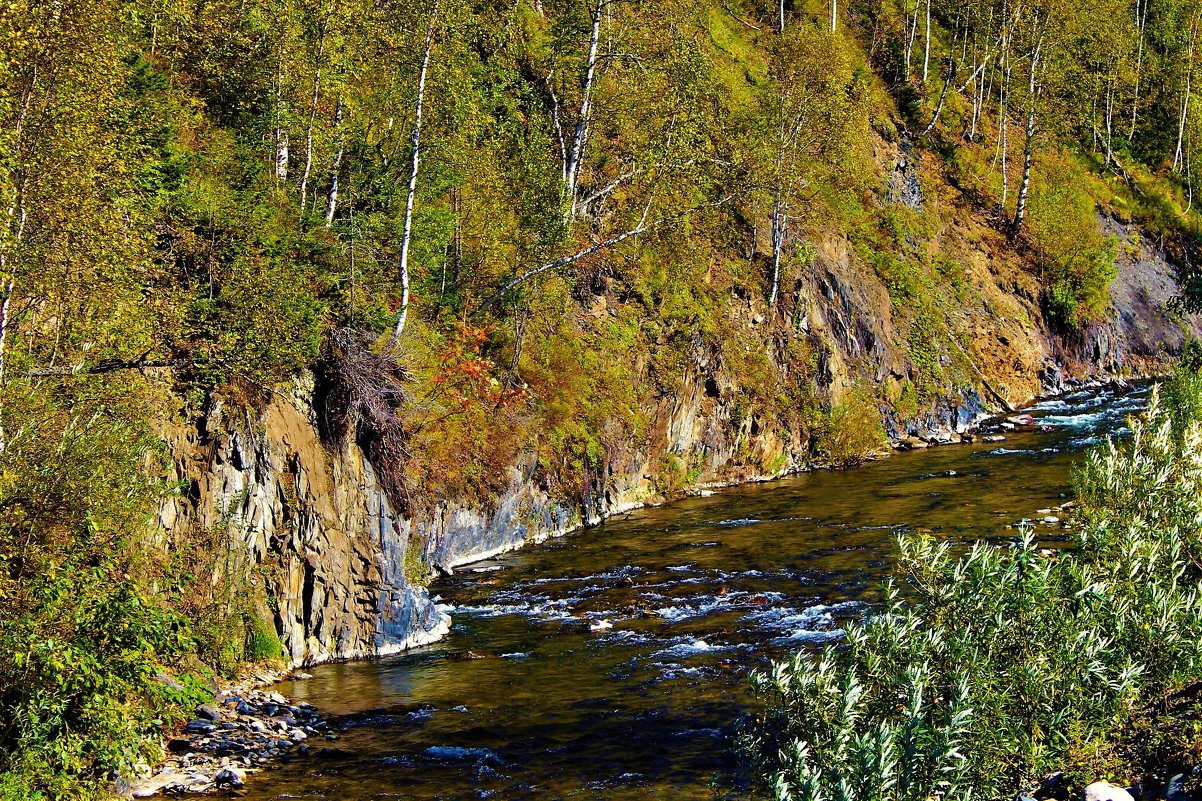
(985, 671)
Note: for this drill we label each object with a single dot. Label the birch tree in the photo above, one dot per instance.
(575, 155)
(415, 161)
(322, 25)
(813, 122)
(1188, 67)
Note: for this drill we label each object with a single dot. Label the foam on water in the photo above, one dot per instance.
(810, 636)
(687, 648)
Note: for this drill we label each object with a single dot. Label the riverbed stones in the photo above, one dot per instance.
(229, 778)
(245, 729)
(1105, 791)
(208, 712)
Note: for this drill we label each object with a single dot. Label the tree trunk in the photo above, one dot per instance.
(1004, 114)
(1110, 79)
(1020, 211)
(1178, 153)
(582, 118)
(281, 133)
(9, 238)
(779, 221)
(304, 182)
(332, 197)
(1141, 18)
(947, 80)
(6, 306)
(926, 50)
(910, 41)
(407, 232)
(834, 15)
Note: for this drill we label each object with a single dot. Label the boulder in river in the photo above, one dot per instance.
(229, 778)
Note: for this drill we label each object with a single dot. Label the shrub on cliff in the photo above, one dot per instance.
(986, 671)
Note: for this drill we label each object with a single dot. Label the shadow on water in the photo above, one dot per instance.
(612, 663)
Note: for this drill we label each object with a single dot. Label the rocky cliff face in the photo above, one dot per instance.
(338, 565)
(313, 527)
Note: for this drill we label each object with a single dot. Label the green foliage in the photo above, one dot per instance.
(417, 572)
(218, 186)
(264, 322)
(262, 642)
(852, 431)
(82, 642)
(986, 671)
(1077, 262)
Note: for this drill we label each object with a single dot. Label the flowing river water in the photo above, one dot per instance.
(612, 663)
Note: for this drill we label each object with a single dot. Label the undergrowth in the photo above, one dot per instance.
(987, 670)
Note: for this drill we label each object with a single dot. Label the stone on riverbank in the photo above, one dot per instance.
(1105, 791)
(245, 729)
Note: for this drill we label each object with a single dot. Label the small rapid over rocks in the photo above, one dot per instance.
(612, 663)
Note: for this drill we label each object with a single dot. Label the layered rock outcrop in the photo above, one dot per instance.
(311, 531)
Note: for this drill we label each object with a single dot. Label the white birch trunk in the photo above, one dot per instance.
(1110, 79)
(1141, 17)
(6, 307)
(582, 118)
(779, 221)
(281, 133)
(1178, 154)
(407, 232)
(910, 41)
(332, 196)
(1020, 211)
(926, 50)
(304, 182)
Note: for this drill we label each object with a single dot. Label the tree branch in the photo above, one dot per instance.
(563, 261)
(104, 366)
(730, 11)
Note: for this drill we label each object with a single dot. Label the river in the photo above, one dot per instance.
(612, 663)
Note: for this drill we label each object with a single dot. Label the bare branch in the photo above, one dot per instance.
(730, 11)
(641, 228)
(605, 190)
(104, 366)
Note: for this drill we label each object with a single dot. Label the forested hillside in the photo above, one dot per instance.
(499, 235)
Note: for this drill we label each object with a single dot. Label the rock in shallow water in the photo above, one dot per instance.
(229, 779)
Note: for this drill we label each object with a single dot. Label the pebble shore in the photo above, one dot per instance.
(242, 730)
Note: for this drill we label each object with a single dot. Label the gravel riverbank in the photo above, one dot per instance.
(246, 727)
